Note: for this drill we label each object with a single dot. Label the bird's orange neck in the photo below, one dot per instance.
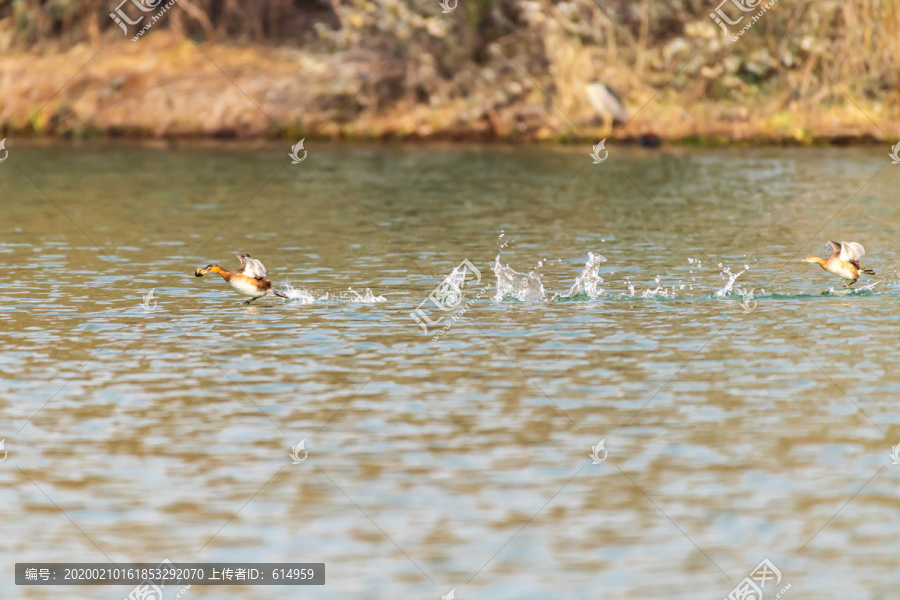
(217, 269)
(816, 259)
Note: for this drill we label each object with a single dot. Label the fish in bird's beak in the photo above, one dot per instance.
(200, 271)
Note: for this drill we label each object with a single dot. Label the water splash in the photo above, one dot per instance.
(588, 283)
(300, 295)
(450, 291)
(367, 298)
(862, 290)
(732, 277)
(657, 292)
(512, 284)
(693, 262)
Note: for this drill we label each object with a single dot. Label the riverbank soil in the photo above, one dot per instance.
(510, 70)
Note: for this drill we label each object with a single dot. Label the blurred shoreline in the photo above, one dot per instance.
(513, 71)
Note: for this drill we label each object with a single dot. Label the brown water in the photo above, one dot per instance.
(732, 436)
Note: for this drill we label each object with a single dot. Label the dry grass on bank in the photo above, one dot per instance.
(808, 72)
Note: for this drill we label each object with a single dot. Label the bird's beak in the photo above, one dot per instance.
(200, 272)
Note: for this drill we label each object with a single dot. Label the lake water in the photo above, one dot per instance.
(734, 428)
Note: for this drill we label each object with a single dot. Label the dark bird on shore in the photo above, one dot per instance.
(649, 140)
(249, 279)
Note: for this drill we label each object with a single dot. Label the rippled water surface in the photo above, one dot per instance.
(736, 428)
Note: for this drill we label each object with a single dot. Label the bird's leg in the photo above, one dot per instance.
(250, 300)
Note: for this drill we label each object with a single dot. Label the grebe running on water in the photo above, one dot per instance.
(844, 262)
(249, 280)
